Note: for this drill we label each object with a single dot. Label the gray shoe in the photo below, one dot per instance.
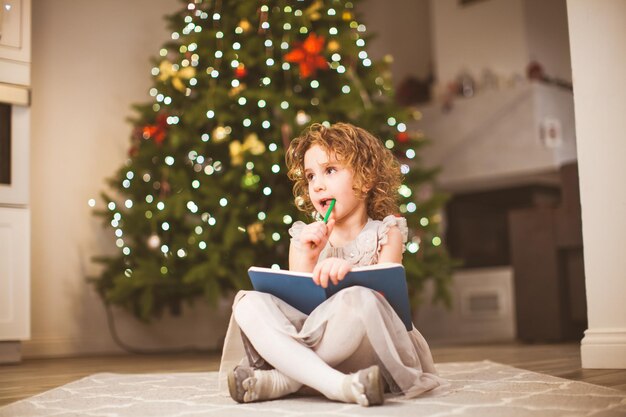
(242, 384)
(368, 387)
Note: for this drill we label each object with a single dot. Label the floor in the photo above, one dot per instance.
(34, 376)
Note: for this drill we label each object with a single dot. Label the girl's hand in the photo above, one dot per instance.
(314, 237)
(333, 269)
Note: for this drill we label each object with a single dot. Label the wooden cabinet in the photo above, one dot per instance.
(15, 42)
(14, 273)
(15, 57)
(547, 256)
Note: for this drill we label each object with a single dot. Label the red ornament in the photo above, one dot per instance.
(402, 137)
(156, 131)
(241, 71)
(307, 55)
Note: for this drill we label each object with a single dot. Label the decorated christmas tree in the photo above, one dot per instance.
(204, 194)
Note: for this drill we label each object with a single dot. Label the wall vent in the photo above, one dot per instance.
(484, 303)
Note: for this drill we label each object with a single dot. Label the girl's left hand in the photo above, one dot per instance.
(333, 269)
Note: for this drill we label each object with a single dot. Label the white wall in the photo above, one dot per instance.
(90, 62)
(487, 34)
(547, 36)
(402, 30)
(501, 35)
(598, 39)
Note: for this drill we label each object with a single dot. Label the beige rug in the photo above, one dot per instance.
(478, 389)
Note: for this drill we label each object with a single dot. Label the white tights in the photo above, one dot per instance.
(300, 365)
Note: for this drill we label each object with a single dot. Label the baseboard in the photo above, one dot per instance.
(604, 348)
(42, 347)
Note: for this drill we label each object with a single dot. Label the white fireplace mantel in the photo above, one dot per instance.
(500, 138)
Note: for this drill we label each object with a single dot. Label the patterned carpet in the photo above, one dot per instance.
(478, 389)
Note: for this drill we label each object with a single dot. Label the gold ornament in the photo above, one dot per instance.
(219, 134)
(236, 153)
(167, 71)
(333, 46)
(245, 25)
(235, 91)
(347, 16)
(252, 144)
(255, 232)
(312, 12)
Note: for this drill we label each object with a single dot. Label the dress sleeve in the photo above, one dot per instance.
(389, 222)
(295, 230)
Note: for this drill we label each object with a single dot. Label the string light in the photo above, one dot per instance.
(404, 191)
(413, 247)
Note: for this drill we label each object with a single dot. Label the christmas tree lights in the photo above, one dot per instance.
(203, 194)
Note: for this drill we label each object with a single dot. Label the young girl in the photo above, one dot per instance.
(353, 345)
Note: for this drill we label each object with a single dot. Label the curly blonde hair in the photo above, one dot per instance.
(374, 167)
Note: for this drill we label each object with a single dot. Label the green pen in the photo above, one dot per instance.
(330, 209)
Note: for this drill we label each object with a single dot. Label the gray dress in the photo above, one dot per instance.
(404, 357)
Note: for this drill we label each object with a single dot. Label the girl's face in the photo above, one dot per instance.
(327, 179)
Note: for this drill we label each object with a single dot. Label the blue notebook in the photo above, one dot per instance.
(298, 289)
